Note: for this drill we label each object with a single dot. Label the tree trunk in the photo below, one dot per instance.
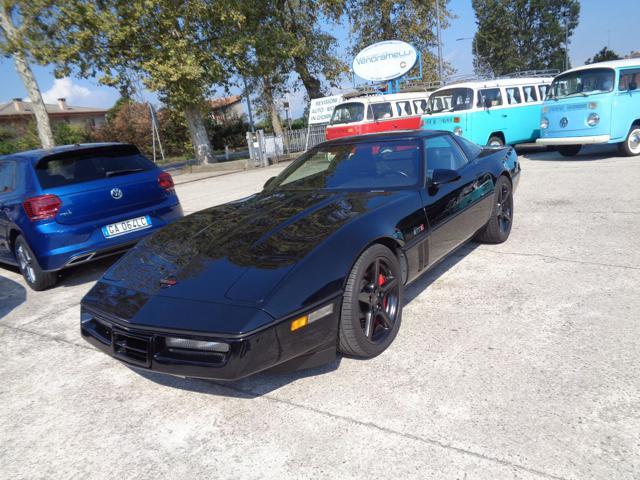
(271, 106)
(199, 137)
(311, 84)
(29, 81)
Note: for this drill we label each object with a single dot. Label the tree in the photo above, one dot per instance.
(518, 35)
(178, 49)
(16, 22)
(413, 21)
(602, 56)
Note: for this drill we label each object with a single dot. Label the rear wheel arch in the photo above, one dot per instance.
(13, 236)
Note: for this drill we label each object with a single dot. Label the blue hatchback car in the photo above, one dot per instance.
(73, 204)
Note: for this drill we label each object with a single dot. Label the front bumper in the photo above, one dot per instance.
(585, 140)
(271, 346)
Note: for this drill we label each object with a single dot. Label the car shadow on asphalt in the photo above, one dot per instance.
(86, 273)
(12, 295)
(266, 382)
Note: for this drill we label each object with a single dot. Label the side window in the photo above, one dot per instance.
(420, 106)
(543, 91)
(7, 176)
(381, 110)
(530, 94)
(443, 153)
(513, 96)
(491, 95)
(629, 78)
(403, 109)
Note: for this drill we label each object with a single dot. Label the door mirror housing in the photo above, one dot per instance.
(442, 176)
(633, 86)
(268, 182)
(487, 103)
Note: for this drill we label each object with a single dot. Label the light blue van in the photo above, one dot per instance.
(502, 111)
(597, 103)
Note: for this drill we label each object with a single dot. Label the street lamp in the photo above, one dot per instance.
(566, 17)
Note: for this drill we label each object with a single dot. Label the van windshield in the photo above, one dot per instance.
(451, 99)
(582, 83)
(348, 113)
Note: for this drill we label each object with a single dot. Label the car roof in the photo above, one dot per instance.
(36, 155)
(395, 135)
(627, 62)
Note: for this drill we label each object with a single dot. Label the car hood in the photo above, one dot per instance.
(237, 252)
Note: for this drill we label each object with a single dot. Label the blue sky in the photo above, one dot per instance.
(615, 25)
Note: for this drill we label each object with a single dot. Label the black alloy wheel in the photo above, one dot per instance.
(498, 227)
(372, 308)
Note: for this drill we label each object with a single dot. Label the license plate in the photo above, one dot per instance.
(126, 226)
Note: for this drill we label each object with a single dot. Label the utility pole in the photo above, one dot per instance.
(440, 68)
(247, 96)
(566, 40)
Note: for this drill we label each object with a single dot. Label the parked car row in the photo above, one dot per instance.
(591, 104)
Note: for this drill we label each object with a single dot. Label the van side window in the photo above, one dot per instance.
(530, 94)
(493, 95)
(420, 106)
(543, 91)
(513, 96)
(403, 108)
(629, 77)
(381, 110)
(7, 176)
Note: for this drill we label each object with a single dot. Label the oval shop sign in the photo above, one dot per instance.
(384, 60)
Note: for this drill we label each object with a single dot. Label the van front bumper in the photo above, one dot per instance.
(586, 140)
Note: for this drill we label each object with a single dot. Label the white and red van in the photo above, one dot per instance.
(378, 113)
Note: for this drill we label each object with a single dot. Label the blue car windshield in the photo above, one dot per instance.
(366, 166)
(582, 83)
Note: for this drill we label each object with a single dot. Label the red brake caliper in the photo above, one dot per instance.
(381, 280)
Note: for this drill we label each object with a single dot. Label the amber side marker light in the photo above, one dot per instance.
(312, 317)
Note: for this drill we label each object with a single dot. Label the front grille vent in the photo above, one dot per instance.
(132, 348)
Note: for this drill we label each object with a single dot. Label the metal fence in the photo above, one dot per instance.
(264, 147)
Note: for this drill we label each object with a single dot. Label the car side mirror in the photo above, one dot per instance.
(268, 182)
(633, 86)
(487, 103)
(442, 176)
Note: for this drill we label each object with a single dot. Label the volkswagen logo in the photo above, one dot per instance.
(116, 193)
(564, 122)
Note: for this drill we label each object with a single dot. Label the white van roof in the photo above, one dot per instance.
(627, 62)
(499, 82)
(390, 97)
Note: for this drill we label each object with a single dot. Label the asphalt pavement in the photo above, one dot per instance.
(514, 361)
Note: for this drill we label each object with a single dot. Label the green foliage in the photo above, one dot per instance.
(18, 140)
(231, 133)
(413, 21)
(518, 35)
(602, 56)
(67, 134)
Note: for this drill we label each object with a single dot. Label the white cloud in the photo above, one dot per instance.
(65, 88)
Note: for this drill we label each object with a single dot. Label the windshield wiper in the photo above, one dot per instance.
(115, 173)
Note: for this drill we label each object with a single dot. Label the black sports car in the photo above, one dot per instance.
(313, 265)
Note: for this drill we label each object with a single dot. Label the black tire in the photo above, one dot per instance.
(569, 150)
(631, 145)
(495, 141)
(498, 227)
(35, 277)
(372, 304)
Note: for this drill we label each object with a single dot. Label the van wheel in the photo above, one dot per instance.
(569, 150)
(495, 141)
(35, 277)
(631, 146)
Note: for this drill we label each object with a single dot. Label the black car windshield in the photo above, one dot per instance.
(348, 113)
(361, 166)
(452, 99)
(582, 83)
